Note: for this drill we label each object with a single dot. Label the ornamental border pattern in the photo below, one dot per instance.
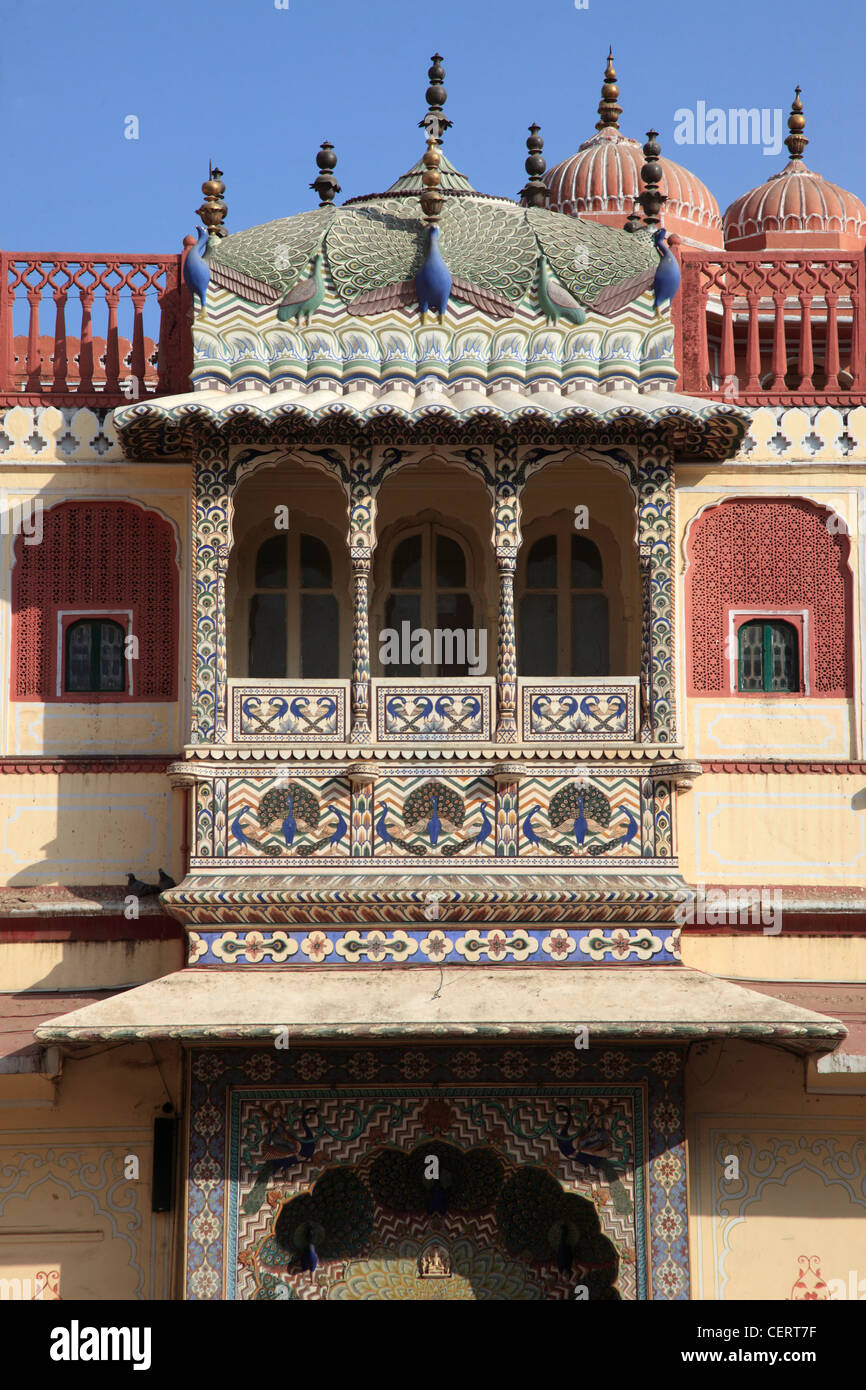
(433, 945)
(214, 1073)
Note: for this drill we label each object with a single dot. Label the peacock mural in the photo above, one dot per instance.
(582, 809)
(288, 815)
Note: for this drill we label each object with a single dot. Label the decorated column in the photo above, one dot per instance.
(210, 560)
(362, 540)
(506, 540)
(656, 550)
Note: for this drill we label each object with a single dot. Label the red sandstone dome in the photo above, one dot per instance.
(796, 204)
(603, 180)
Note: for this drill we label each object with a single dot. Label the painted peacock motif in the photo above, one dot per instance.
(582, 807)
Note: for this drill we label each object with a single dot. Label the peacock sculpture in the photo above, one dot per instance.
(196, 272)
(304, 298)
(555, 300)
(433, 281)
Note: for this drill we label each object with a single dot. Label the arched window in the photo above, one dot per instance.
(429, 589)
(294, 615)
(564, 625)
(768, 656)
(95, 656)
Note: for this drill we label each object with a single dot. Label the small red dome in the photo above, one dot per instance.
(796, 206)
(602, 181)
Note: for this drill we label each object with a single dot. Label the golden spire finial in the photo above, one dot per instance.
(796, 141)
(435, 123)
(609, 110)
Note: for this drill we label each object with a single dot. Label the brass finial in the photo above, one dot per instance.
(609, 109)
(633, 221)
(213, 210)
(324, 183)
(534, 191)
(651, 199)
(435, 123)
(796, 141)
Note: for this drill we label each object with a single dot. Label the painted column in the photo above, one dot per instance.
(507, 807)
(362, 812)
(362, 541)
(506, 540)
(210, 565)
(656, 522)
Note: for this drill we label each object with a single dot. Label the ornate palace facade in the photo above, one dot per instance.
(433, 750)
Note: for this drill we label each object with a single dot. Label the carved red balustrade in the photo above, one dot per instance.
(103, 365)
(769, 328)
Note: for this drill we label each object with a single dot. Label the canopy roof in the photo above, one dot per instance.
(638, 1003)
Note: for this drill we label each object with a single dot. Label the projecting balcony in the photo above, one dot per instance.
(556, 711)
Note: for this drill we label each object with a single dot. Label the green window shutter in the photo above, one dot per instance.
(750, 657)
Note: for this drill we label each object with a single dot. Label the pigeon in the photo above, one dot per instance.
(139, 887)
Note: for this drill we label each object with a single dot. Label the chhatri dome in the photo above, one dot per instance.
(603, 180)
(796, 206)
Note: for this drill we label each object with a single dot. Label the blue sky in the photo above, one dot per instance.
(258, 88)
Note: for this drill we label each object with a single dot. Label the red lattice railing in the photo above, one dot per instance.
(757, 327)
(769, 328)
(130, 316)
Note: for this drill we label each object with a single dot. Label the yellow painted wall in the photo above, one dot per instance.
(774, 828)
(89, 828)
(782, 957)
(77, 965)
(800, 1159)
(64, 1200)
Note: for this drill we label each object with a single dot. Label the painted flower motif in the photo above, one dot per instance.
(205, 1228)
(671, 1278)
(497, 946)
(614, 1065)
(514, 1065)
(558, 944)
(317, 945)
(311, 1066)
(668, 1225)
(436, 946)
(673, 944)
(207, 1120)
(666, 1063)
(563, 1064)
(208, 1066)
(414, 1065)
(363, 1066)
(376, 949)
(206, 1171)
(205, 1282)
(465, 1065)
(667, 1169)
(196, 947)
(254, 947)
(260, 1067)
(620, 943)
(437, 1117)
(666, 1116)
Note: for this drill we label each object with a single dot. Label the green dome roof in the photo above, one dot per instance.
(491, 243)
